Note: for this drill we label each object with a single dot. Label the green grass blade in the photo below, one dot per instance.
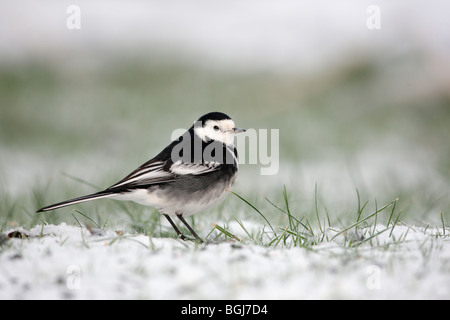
(226, 232)
(243, 228)
(317, 208)
(365, 219)
(254, 208)
(87, 217)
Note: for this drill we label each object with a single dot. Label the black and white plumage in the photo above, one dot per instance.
(189, 175)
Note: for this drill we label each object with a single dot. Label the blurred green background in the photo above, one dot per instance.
(370, 111)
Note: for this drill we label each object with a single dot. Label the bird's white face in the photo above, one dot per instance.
(218, 130)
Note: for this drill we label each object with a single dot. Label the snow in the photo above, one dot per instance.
(69, 262)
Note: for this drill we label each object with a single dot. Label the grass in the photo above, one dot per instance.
(267, 223)
(273, 222)
(301, 232)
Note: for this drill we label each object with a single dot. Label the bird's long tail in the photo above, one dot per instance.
(98, 195)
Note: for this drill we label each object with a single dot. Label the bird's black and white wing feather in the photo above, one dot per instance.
(158, 172)
(150, 173)
(181, 168)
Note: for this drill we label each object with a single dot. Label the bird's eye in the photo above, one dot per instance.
(216, 128)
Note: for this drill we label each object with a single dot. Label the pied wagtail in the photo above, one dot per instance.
(189, 175)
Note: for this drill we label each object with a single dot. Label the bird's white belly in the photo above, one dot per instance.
(172, 205)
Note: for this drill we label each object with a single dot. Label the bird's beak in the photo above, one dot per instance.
(238, 130)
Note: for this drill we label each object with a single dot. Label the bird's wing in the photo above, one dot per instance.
(182, 168)
(155, 172)
(150, 173)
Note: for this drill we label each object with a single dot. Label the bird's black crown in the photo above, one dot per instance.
(213, 116)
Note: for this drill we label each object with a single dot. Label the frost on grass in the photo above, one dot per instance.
(68, 262)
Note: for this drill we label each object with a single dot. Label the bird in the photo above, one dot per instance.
(192, 174)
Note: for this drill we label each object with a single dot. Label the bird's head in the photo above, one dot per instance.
(216, 126)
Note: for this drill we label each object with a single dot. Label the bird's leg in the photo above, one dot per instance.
(174, 226)
(189, 227)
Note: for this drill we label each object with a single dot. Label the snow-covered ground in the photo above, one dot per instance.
(68, 262)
